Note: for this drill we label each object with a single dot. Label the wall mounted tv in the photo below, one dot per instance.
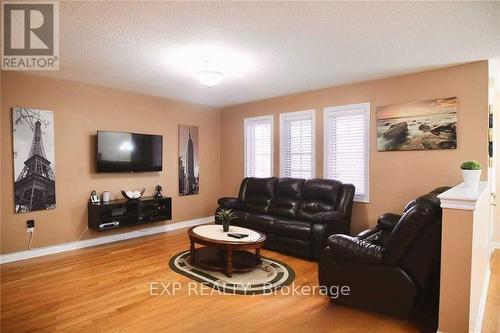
(128, 152)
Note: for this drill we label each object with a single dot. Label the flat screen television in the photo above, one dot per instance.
(128, 152)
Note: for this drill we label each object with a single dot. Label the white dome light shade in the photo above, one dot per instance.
(209, 78)
(197, 59)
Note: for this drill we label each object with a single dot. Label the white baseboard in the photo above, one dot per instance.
(43, 251)
(495, 245)
(482, 301)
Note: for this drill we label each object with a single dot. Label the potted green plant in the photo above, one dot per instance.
(225, 216)
(471, 171)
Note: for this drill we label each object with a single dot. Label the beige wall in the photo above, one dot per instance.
(79, 111)
(395, 177)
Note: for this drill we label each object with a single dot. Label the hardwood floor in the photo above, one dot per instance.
(491, 323)
(107, 289)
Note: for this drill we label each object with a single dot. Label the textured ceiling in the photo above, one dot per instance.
(290, 46)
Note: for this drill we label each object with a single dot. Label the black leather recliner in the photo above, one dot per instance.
(392, 268)
(296, 215)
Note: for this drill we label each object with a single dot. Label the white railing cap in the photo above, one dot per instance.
(461, 197)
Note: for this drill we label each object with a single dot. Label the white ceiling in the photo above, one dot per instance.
(288, 46)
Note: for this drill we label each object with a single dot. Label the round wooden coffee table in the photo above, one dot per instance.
(224, 253)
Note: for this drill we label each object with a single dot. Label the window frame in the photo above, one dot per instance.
(284, 116)
(347, 109)
(246, 121)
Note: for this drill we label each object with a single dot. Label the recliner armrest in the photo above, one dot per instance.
(230, 203)
(368, 232)
(388, 221)
(352, 249)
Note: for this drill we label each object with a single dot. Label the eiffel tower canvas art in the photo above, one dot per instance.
(34, 167)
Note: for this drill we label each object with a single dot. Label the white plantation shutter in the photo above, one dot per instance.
(259, 147)
(346, 146)
(297, 144)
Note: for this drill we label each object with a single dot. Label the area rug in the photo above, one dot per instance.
(269, 277)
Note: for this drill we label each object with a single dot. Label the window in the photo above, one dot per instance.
(347, 146)
(297, 144)
(259, 146)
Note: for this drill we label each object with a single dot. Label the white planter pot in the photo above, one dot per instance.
(471, 178)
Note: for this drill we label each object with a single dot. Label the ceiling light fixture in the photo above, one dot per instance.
(209, 64)
(209, 78)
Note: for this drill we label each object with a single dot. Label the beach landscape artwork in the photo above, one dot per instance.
(424, 125)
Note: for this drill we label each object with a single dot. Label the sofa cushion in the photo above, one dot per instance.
(238, 214)
(288, 245)
(293, 229)
(286, 197)
(259, 222)
(238, 222)
(257, 193)
(318, 195)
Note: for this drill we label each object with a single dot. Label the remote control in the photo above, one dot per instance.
(235, 236)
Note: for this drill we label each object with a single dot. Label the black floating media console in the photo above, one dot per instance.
(126, 213)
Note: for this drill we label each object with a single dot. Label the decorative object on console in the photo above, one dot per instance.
(425, 125)
(34, 161)
(189, 176)
(130, 195)
(94, 197)
(158, 191)
(225, 216)
(471, 171)
(105, 196)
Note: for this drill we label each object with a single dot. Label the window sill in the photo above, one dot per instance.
(361, 200)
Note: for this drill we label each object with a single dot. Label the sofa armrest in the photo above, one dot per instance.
(230, 203)
(352, 249)
(388, 221)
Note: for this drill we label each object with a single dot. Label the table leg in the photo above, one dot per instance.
(192, 252)
(229, 258)
(257, 255)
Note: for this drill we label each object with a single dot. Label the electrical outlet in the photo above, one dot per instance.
(30, 225)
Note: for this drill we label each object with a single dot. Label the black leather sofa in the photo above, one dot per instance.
(392, 268)
(296, 215)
